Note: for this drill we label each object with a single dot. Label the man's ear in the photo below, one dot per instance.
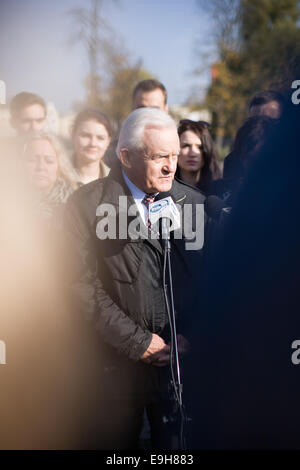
(166, 108)
(125, 158)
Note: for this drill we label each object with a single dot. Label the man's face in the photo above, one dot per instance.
(271, 109)
(31, 119)
(153, 169)
(153, 99)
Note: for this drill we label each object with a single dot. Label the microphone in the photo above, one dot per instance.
(165, 209)
(216, 208)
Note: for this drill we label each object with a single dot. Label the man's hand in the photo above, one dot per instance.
(158, 352)
(163, 357)
(156, 348)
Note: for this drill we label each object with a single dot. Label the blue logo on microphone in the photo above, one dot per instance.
(158, 206)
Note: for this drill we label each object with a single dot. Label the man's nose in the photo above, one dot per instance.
(171, 163)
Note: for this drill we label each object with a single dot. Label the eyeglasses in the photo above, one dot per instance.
(189, 121)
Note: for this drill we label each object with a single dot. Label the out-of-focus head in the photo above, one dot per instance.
(250, 137)
(197, 149)
(148, 148)
(150, 93)
(28, 113)
(267, 103)
(91, 135)
(45, 162)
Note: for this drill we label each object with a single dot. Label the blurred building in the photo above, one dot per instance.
(186, 112)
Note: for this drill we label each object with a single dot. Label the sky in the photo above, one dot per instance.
(36, 54)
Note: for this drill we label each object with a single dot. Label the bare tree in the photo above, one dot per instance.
(92, 30)
(225, 15)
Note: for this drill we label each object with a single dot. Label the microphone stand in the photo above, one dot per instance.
(176, 378)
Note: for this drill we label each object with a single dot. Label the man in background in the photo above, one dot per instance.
(28, 113)
(267, 103)
(150, 93)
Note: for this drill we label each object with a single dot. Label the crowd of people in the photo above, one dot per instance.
(101, 304)
(92, 133)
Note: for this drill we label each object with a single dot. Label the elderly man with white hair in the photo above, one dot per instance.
(118, 285)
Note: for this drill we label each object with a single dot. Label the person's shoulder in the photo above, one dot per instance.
(85, 191)
(191, 193)
(88, 196)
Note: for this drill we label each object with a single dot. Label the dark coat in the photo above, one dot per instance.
(118, 283)
(246, 384)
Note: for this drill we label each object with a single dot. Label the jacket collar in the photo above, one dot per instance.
(115, 186)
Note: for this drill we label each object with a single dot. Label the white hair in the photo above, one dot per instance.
(132, 130)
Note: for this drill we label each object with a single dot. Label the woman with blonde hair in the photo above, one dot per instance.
(49, 172)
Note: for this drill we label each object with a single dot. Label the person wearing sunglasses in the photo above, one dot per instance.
(197, 161)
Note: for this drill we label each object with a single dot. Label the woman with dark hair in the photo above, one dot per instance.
(91, 135)
(250, 138)
(198, 161)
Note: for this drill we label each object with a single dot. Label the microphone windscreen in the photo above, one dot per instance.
(165, 209)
